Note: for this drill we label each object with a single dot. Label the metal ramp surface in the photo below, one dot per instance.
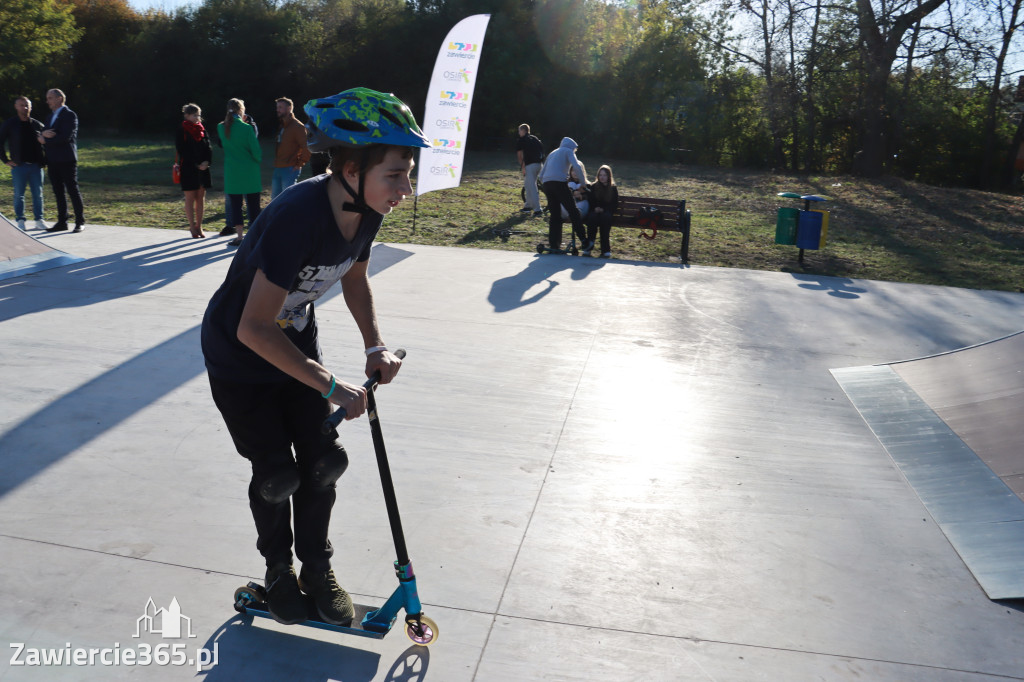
(952, 423)
(22, 254)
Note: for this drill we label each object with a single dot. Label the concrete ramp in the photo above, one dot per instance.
(954, 424)
(22, 254)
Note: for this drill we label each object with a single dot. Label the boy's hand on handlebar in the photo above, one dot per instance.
(352, 398)
(386, 362)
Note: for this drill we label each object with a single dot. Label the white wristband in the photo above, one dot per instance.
(375, 349)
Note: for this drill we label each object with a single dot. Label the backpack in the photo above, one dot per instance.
(648, 217)
(538, 148)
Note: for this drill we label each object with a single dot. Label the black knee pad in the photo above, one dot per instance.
(279, 486)
(328, 466)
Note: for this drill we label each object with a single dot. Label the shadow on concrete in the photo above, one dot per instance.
(122, 274)
(509, 293)
(83, 414)
(840, 287)
(246, 651)
(411, 666)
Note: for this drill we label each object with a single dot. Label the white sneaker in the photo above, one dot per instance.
(21, 225)
(40, 225)
(606, 254)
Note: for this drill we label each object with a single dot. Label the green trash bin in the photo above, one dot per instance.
(785, 225)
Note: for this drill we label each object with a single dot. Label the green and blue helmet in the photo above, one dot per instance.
(360, 117)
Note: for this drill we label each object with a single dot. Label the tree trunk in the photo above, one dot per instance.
(992, 106)
(879, 49)
(810, 113)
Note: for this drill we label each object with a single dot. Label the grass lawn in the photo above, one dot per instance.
(885, 229)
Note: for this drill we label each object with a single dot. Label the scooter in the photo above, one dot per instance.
(368, 622)
(569, 249)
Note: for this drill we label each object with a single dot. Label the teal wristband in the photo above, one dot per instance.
(330, 392)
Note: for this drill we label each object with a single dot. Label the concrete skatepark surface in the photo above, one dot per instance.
(606, 470)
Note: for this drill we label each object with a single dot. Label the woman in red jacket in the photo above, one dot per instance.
(194, 155)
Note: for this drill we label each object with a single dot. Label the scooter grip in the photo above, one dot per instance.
(333, 420)
(338, 415)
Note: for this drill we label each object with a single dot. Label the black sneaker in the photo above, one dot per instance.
(332, 602)
(284, 600)
(228, 232)
(60, 226)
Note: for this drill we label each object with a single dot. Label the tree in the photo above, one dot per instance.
(881, 36)
(32, 32)
(93, 66)
(1007, 16)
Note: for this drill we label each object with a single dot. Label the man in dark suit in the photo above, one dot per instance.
(60, 138)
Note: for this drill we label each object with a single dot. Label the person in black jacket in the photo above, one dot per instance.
(20, 133)
(530, 154)
(60, 139)
(192, 143)
(604, 200)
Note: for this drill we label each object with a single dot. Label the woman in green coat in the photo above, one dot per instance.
(242, 158)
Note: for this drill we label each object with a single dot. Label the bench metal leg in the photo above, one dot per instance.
(684, 218)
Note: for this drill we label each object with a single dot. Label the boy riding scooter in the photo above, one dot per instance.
(261, 341)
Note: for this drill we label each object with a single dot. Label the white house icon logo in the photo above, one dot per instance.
(164, 622)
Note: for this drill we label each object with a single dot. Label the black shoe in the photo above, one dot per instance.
(228, 232)
(78, 227)
(332, 602)
(59, 227)
(284, 600)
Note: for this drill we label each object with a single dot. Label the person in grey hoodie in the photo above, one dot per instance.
(554, 177)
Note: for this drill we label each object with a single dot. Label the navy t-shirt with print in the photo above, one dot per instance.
(296, 242)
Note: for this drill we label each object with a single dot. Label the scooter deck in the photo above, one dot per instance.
(257, 607)
(542, 249)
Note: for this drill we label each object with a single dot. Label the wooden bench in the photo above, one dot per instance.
(674, 218)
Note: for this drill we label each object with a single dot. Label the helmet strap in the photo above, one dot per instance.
(360, 206)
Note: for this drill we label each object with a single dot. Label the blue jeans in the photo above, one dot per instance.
(28, 175)
(283, 179)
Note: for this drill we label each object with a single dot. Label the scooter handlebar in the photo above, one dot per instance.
(338, 415)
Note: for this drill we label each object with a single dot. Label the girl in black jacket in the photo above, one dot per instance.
(604, 200)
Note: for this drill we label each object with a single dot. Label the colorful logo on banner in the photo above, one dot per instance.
(454, 98)
(454, 123)
(447, 170)
(442, 147)
(458, 76)
(446, 120)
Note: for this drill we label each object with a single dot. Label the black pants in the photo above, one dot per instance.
(600, 221)
(266, 421)
(64, 176)
(252, 207)
(559, 194)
